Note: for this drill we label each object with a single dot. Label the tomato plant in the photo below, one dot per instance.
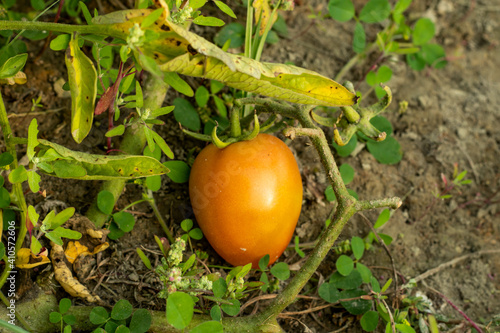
(247, 198)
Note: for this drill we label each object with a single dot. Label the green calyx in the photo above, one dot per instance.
(245, 137)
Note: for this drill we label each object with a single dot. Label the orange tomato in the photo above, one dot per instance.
(247, 198)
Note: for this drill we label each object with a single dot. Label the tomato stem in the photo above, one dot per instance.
(235, 122)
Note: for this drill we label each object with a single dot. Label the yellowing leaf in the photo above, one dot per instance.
(82, 78)
(75, 249)
(25, 259)
(263, 13)
(286, 82)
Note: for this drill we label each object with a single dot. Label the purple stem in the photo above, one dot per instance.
(473, 324)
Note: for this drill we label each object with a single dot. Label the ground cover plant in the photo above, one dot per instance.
(119, 68)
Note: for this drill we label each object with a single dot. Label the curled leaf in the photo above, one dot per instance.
(25, 259)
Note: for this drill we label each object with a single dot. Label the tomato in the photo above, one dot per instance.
(247, 198)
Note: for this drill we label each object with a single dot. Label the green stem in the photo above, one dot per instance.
(98, 29)
(152, 203)
(235, 122)
(249, 30)
(17, 195)
(133, 143)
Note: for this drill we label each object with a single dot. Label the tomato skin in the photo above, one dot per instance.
(247, 198)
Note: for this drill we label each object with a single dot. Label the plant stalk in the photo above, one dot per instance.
(17, 194)
(98, 29)
(134, 141)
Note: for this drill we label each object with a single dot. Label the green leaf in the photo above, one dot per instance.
(162, 144)
(18, 175)
(404, 328)
(216, 86)
(401, 6)
(358, 247)
(219, 287)
(13, 65)
(121, 310)
(6, 159)
(387, 151)
(34, 181)
(232, 309)
(235, 32)
(344, 265)
(201, 96)
(264, 262)
(86, 13)
(122, 329)
(386, 286)
(33, 215)
(215, 313)
(69, 320)
(346, 150)
(185, 113)
(144, 258)
(384, 74)
(114, 231)
(347, 173)
(225, 8)
(59, 232)
(78, 165)
(375, 11)
(415, 61)
(187, 224)
(351, 281)
(61, 42)
(125, 221)
(152, 18)
(364, 272)
(329, 293)
(62, 217)
(195, 4)
(179, 171)
(161, 111)
(153, 182)
(141, 321)
(55, 317)
(32, 139)
(382, 219)
(369, 321)
(196, 234)
(208, 21)
(115, 131)
(38, 5)
(386, 239)
(281, 271)
(357, 306)
(176, 82)
(375, 285)
(423, 32)
(341, 10)
(434, 55)
(105, 202)
(359, 39)
(180, 309)
(382, 124)
(82, 78)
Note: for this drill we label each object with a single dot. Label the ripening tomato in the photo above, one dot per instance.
(247, 198)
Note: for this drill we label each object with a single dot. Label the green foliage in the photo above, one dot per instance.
(62, 317)
(122, 318)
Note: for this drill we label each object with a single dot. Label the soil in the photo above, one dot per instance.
(452, 120)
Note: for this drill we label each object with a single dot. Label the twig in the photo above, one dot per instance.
(453, 262)
(473, 324)
(393, 325)
(396, 299)
(317, 308)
